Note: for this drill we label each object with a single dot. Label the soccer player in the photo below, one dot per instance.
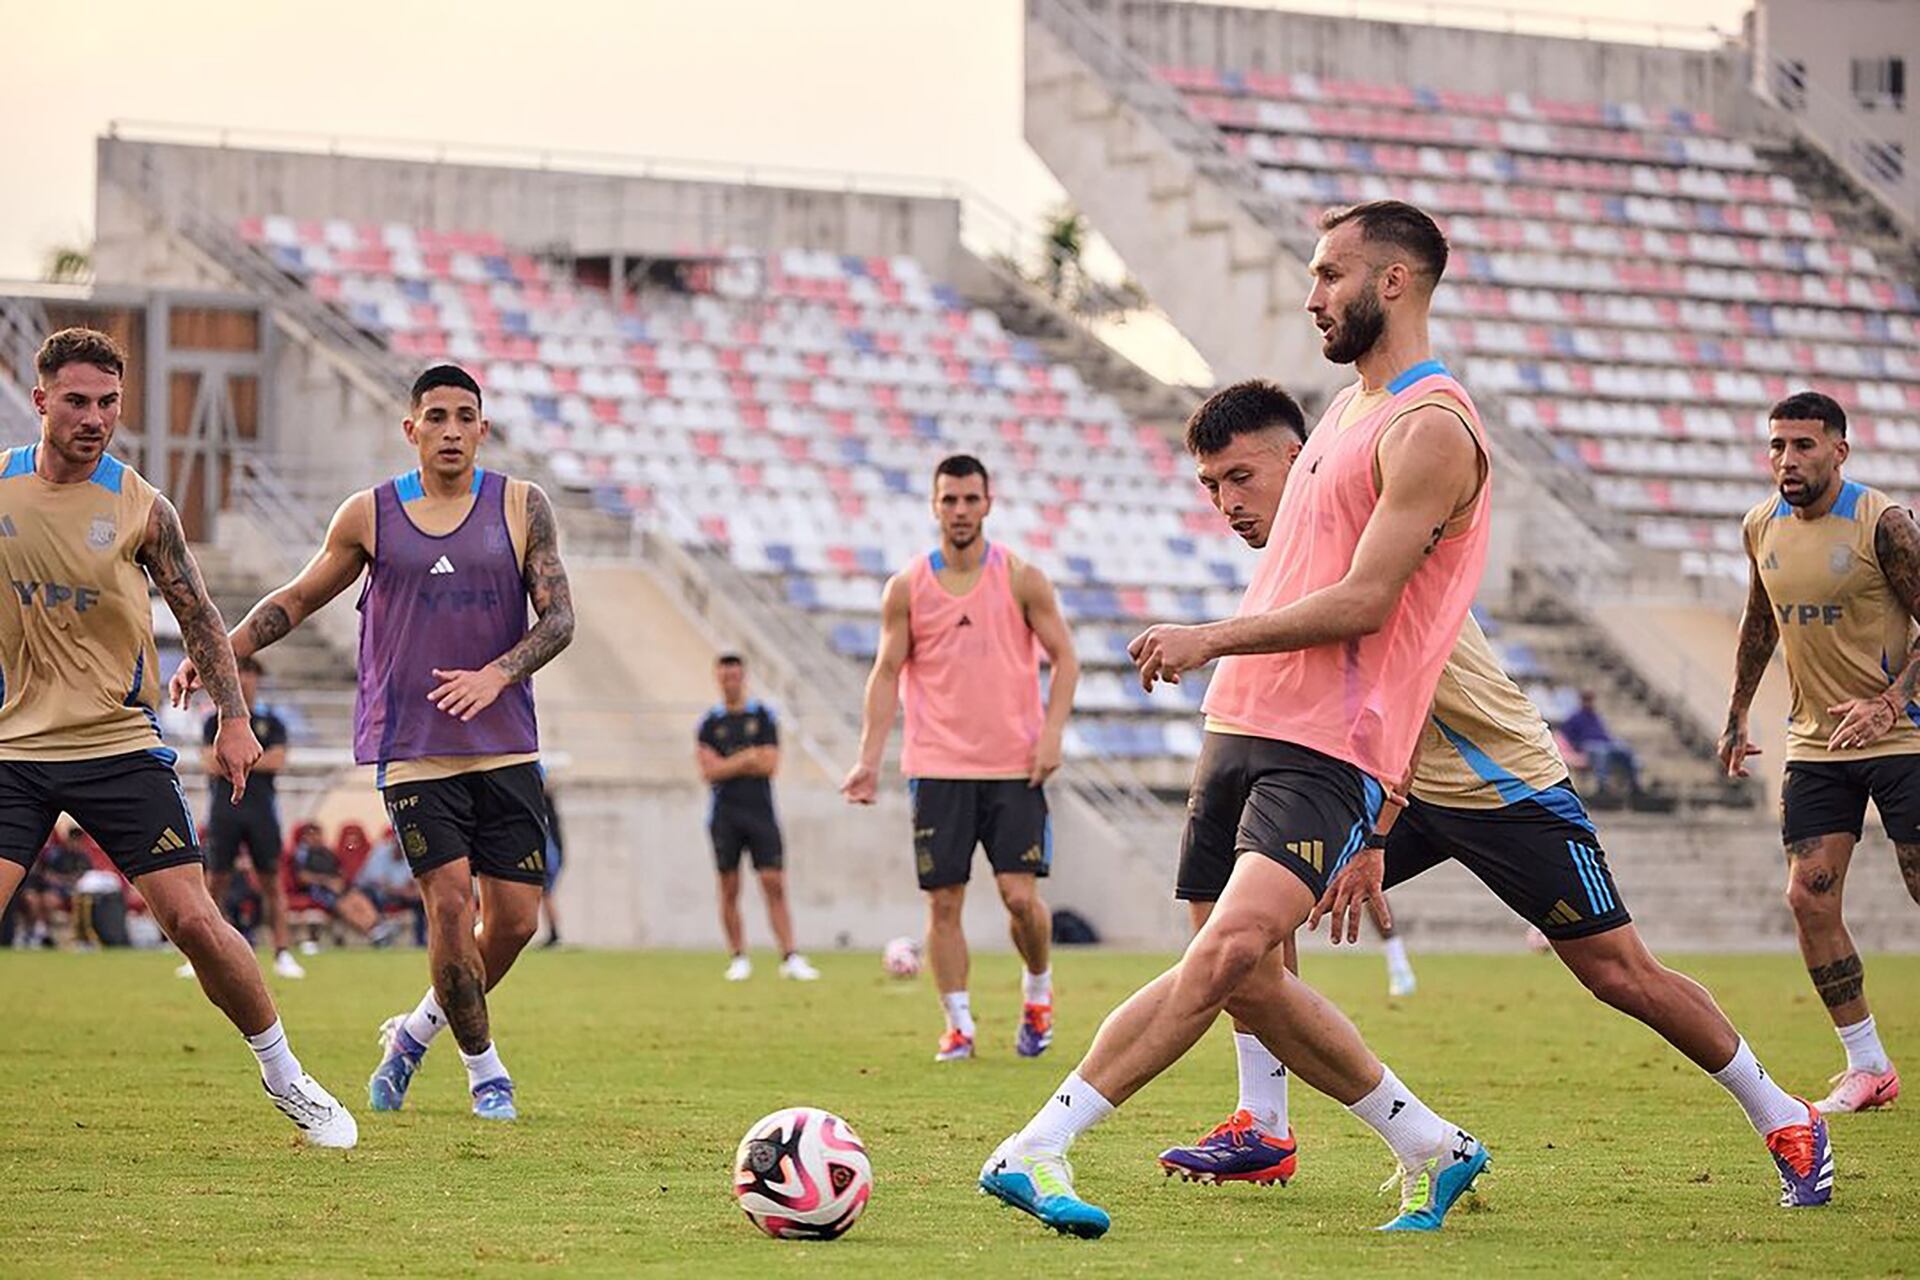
(1834, 570)
(1489, 789)
(453, 555)
(738, 754)
(80, 534)
(960, 626)
(1347, 622)
(252, 823)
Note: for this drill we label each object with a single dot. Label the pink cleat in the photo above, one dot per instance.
(1860, 1091)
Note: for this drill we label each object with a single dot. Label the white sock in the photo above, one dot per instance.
(278, 1067)
(1263, 1084)
(426, 1021)
(959, 1007)
(1074, 1108)
(1403, 1122)
(483, 1066)
(1767, 1105)
(1864, 1050)
(1037, 988)
(1396, 950)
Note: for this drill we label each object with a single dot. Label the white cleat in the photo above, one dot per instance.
(1401, 983)
(322, 1121)
(796, 967)
(185, 970)
(739, 969)
(286, 966)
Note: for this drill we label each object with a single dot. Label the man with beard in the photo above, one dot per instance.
(960, 625)
(1488, 789)
(1346, 624)
(1834, 572)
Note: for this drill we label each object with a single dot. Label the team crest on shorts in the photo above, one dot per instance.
(101, 533)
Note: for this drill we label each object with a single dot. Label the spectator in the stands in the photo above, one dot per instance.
(388, 883)
(316, 870)
(1605, 753)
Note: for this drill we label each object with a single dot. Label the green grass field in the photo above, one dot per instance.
(134, 1140)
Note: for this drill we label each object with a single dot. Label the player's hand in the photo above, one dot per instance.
(1046, 758)
(1863, 721)
(186, 679)
(1162, 652)
(235, 751)
(466, 694)
(862, 784)
(1354, 891)
(1735, 750)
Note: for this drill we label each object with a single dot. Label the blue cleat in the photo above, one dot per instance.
(1042, 1185)
(1036, 1030)
(1428, 1191)
(400, 1058)
(493, 1100)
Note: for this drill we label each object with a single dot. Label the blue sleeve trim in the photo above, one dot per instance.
(407, 488)
(1782, 509)
(936, 560)
(19, 462)
(1847, 505)
(479, 474)
(1425, 369)
(109, 473)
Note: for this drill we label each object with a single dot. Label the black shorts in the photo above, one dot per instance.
(1540, 856)
(1306, 811)
(494, 818)
(1003, 815)
(130, 804)
(737, 830)
(253, 826)
(1823, 798)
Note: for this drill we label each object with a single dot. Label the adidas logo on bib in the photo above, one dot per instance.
(442, 565)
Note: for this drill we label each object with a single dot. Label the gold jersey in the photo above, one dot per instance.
(1844, 633)
(79, 677)
(1486, 745)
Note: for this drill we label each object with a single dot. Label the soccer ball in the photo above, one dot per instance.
(802, 1174)
(901, 958)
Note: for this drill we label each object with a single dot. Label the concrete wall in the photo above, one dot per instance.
(1435, 56)
(587, 213)
(1826, 36)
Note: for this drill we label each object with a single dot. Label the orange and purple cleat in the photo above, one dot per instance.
(954, 1046)
(1804, 1158)
(1036, 1030)
(1860, 1091)
(1236, 1151)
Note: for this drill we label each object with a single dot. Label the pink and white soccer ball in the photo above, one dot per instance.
(901, 958)
(802, 1174)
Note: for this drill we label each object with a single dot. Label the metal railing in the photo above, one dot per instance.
(1831, 126)
(23, 324)
(1519, 21)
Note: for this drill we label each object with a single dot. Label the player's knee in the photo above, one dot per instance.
(1813, 893)
(197, 930)
(944, 906)
(1019, 897)
(1224, 957)
(773, 886)
(1615, 982)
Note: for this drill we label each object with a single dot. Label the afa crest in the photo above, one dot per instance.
(101, 533)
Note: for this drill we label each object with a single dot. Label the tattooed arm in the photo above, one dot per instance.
(1431, 471)
(1759, 633)
(335, 567)
(467, 693)
(1896, 545)
(164, 555)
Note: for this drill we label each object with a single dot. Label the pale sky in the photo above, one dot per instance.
(921, 87)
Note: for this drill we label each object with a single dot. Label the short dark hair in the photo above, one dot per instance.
(730, 660)
(79, 346)
(444, 375)
(249, 663)
(1811, 406)
(1241, 409)
(962, 464)
(1397, 223)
